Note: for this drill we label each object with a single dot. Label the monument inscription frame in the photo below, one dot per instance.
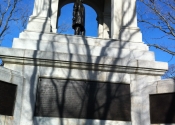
(162, 108)
(7, 98)
(83, 99)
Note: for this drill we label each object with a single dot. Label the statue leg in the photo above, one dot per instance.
(83, 33)
(77, 31)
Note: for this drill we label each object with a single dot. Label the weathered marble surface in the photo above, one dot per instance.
(34, 64)
(16, 78)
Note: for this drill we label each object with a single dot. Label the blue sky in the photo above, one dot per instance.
(90, 16)
(151, 37)
(15, 27)
(91, 30)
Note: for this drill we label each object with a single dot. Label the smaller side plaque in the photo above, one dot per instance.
(7, 98)
(162, 108)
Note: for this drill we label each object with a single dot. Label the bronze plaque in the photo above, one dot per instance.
(162, 108)
(7, 98)
(83, 99)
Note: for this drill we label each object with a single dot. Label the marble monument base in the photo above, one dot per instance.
(51, 56)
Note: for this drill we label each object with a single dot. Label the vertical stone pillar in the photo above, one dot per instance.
(141, 87)
(54, 15)
(129, 13)
(116, 12)
(107, 19)
(100, 27)
(106, 25)
(41, 8)
(40, 21)
(124, 20)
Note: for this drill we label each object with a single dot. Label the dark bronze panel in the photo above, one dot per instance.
(7, 98)
(83, 99)
(162, 108)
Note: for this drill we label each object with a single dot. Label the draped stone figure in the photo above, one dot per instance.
(78, 18)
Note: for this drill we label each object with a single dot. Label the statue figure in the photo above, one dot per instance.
(78, 18)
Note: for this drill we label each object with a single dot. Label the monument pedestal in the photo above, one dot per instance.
(74, 58)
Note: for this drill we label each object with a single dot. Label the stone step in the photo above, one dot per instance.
(52, 37)
(82, 49)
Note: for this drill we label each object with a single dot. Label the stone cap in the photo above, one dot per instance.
(100, 63)
(10, 76)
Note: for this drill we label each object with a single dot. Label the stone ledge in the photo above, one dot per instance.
(19, 42)
(107, 64)
(166, 86)
(29, 33)
(7, 75)
(91, 41)
(161, 86)
(83, 49)
(71, 121)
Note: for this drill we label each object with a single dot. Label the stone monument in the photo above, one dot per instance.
(75, 80)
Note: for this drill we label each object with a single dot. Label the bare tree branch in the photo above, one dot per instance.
(160, 15)
(169, 29)
(63, 27)
(162, 48)
(10, 12)
(170, 73)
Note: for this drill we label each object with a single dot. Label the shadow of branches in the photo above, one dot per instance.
(84, 98)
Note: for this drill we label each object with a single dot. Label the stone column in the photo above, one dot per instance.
(115, 18)
(41, 8)
(106, 25)
(40, 21)
(141, 87)
(100, 26)
(54, 15)
(107, 19)
(124, 20)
